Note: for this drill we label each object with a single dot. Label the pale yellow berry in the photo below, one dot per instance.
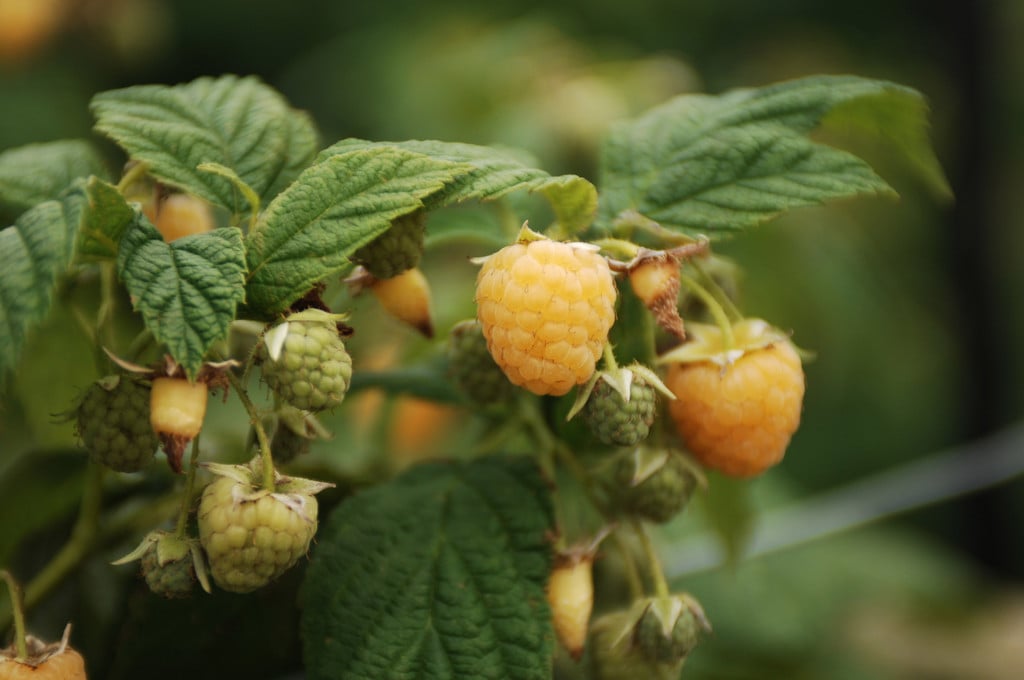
(545, 309)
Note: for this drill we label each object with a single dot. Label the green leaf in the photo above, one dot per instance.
(494, 173)
(35, 252)
(40, 172)
(709, 164)
(574, 201)
(105, 214)
(437, 574)
(895, 122)
(187, 290)
(332, 209)
(239, 123)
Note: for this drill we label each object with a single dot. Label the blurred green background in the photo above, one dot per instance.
(912, 307)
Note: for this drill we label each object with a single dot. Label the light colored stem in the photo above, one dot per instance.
(653, 563)
(190, 482)
(636, 584)
(714, 307)
(18, 610)
(261, 434)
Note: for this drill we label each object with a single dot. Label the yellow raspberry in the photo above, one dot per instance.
(546, 309)
(739, 418)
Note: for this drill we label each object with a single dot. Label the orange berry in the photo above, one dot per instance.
(546, 309)
(407, 298)
(182, 215)
(739, 418)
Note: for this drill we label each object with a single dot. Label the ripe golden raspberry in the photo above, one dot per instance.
(546, 309)
(738, 417)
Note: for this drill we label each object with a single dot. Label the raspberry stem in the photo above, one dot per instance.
(18, 610)
(186, 500)
(715, 289)
(714, 307)
(653, 563)
(261, 434)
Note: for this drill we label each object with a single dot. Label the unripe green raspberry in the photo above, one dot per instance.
(616, 422)
(653, 484)
(113, 423)
(252, 535)
(304, 362)
(171, 564)
(670, 628)
(613, 655)
(472, 367)
(397, 249)
(173, 579)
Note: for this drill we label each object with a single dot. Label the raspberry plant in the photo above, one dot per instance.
(458, 566)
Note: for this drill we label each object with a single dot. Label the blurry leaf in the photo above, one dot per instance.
(187, 290)
(330, 211)
(494, 173)
(239, 123)
(49, 484)
(439, 573)
(105, 214)
(574, 201)
(40, 172)
(426, 380)
(714, 164)
(730, 512)
(896, 120)
(51, 373)
(35, 252)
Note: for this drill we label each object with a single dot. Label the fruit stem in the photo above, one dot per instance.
(190, 481)
(636, 585)
(261, 435)
(714, 307)
(18, 608)
(723, 298)
(629, 220)
(610, 365)
(653, 563)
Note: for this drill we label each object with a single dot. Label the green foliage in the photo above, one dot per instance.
(437, 574)
(105, 214)
(237, 122)
(336, 206)
(494, 173)
(704, 164)
(41, 172)
(35, 251)
(187, 291)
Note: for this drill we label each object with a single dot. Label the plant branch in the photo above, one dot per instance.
(18, 608)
